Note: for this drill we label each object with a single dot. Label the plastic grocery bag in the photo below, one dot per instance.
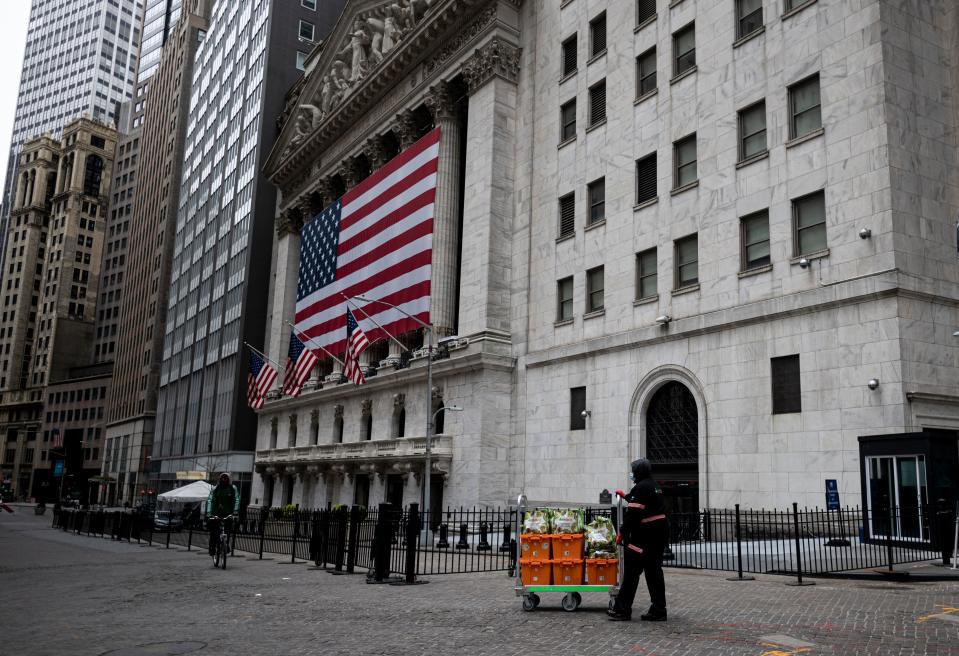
(536, 521)
(601, 538)
(568, 521)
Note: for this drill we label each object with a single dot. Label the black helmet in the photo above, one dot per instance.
(642, 469)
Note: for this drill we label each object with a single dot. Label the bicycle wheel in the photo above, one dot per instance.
(216, 556)
(224, 548)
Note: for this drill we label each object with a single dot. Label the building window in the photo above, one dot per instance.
(338, 426)
(804, 107)
(809, 224)
(597, 104)
(306, 30)
(597, 201)
(687, 261)
(300, 61)
(646, 73)
(567, 215)
(786, 389)
(594, 290)
(749, 17)
(309, 4)
(752, 131)
(645, 10)
(368, 426)
(754, 230)
(646, 274)
(569, 56)
(577, 408)
(646, 178)
(684, 158)
(597, 35)
(567, 115)
(684, 49)
(564, 299)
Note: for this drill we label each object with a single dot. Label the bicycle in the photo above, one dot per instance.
(222, 547)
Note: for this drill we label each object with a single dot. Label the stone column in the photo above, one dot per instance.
(491, 75)
(446, 214)
(287, 259)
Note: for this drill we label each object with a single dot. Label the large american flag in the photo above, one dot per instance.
(259, 380)
(356, 343)
(299, 364)
(375, 241)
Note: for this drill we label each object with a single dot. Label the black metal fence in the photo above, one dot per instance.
(388, 542)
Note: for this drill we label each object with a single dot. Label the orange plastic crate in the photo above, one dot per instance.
(534, 546)
(569, 546)
(602, 571)
(568, 572)
(535, 572)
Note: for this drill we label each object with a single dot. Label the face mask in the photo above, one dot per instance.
(632, 477)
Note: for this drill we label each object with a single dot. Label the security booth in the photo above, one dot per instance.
(906, 478)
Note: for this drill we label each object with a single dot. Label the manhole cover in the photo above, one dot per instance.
(158, 649)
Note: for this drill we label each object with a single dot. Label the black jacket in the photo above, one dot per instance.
(644, 517)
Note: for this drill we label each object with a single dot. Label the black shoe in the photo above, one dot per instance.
(616, 616)
(653, 616)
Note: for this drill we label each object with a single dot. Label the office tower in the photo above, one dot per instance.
(221, 244)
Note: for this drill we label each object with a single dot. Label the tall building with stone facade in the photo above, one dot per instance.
(220, 236)
(79, 58)
(133, 393)
(718, 235)
(51, 281)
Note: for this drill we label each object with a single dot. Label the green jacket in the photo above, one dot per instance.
(223, 501)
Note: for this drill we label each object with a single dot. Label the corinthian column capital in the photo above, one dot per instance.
(440, 101)
(496, 59)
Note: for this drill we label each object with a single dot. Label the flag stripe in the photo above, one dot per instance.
(412, 218)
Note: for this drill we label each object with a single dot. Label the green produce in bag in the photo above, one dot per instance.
(568, 520)
(536, 521)
(601, 538)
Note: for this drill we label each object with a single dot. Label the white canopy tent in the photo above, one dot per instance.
(196, 491)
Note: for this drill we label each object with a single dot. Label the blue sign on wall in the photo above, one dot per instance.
(58, 468)
(832, 494)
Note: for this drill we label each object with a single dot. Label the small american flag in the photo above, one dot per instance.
(356, 343)
(57, 438)
(375, 241)
(299, 364)
(261, 377)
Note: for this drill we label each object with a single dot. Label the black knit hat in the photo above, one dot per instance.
(642, 469)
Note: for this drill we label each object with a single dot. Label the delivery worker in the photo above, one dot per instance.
(222, 506)
(644, 536)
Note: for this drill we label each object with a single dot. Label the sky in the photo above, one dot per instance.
(14, 17)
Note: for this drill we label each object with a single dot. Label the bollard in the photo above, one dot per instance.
(315, 538)
(892, 522)
(463, 542)
(353, 538)
(296, 530)
(799, 580)
(504, 547)
(739, 552)
(189, 536)
(340, 540)
(944, 523)
(381, 543)
(262, 532)
(412, 534)
(444, 542)
(169, 529)
(484, 541)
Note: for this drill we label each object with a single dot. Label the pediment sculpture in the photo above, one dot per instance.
(372, 34)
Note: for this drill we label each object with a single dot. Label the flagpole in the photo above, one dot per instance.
(262, 354)
(310, 340)
(428, 463)
(365, 314)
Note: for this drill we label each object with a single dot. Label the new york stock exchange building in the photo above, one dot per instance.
(668, 229)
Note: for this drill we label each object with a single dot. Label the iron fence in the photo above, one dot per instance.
(388, 541)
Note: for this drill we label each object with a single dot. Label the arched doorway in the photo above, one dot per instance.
(672, 445)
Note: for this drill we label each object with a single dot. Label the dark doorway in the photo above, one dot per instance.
(394, 490)
(672, 446)
(361, 493)
(436, 500)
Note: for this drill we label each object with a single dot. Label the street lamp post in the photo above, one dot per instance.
(430, 416)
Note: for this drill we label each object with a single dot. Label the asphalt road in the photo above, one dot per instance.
(73, 595)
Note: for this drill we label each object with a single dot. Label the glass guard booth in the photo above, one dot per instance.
(905, 478)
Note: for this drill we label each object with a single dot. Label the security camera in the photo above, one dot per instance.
(585, 413)
(873, 383)
(865, 233)
(803, 263)
(663, 319)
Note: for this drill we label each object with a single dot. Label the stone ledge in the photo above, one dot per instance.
(806, 137)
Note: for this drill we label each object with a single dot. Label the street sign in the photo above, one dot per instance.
(58, 468)
(832, 494)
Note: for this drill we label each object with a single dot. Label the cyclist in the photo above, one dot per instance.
(222, 504)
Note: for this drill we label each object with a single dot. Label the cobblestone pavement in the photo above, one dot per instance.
(66, 594)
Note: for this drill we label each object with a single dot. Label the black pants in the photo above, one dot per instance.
(650, 562)
(214, 525)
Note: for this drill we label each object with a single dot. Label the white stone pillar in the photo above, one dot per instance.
(488, 209)
(287, 264)
(447, 208)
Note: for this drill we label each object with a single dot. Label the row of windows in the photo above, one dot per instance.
(809, 237)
